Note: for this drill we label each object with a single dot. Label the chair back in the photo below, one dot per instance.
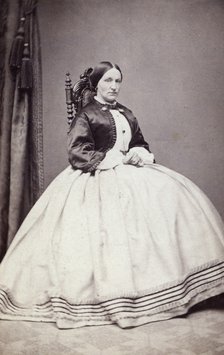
(77, 95)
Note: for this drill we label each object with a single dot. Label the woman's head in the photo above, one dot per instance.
(106, 79)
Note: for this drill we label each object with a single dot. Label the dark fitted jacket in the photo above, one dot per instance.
(93, 133)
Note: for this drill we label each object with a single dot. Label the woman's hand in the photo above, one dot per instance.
(133, 158)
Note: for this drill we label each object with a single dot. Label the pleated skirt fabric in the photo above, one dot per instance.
(127, 245)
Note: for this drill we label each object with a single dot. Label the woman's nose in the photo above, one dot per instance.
(113, 86)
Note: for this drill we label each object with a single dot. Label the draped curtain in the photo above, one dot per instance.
(21, 146)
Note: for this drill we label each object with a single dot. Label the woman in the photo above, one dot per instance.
(115, 238)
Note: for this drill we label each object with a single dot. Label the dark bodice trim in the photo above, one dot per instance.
(113, 131)
(106, 110)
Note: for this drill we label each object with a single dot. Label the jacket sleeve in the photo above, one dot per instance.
(137, 139)
(81, 146)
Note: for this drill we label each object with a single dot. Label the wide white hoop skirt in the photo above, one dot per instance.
(128, 246)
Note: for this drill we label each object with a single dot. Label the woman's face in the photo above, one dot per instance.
(109, 86)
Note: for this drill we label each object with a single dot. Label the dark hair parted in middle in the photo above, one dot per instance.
(100, 70)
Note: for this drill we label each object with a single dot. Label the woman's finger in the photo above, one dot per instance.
(133, 158)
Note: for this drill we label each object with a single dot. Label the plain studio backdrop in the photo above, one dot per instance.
(171, 53)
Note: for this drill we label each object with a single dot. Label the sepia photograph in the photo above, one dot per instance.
(111, 177)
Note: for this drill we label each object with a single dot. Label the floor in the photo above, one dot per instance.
(200, 332)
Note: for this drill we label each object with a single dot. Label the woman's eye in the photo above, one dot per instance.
(109, 80)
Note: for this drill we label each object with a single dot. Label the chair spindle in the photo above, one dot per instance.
(69, 101)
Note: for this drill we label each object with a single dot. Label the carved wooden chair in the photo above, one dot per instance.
(77, 95)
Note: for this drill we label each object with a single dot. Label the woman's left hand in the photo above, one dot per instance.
(133, 158)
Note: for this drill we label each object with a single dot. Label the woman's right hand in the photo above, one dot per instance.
(133, 158)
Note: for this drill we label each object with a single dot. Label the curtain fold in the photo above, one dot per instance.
(21, 158)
